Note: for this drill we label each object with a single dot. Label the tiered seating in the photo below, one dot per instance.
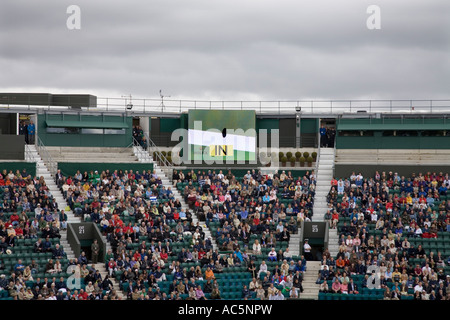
(411, 210)
(14, 188)
(230, 280)
(291, 200)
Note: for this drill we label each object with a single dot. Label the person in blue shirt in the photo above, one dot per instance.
(82, 259)
(244, 214)
(169, 193)
(266, 198)
(31, 130)
(182, 214)
(443, 189)
(19, 266)
(238, 253)
(323, 133)
(47, 245)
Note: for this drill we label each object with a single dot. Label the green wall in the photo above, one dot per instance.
(309, 125)
(169, 124)
(70, 168)
(376, 127)
(85, 140)
(377, 141)
(267, 124)
(19, 165)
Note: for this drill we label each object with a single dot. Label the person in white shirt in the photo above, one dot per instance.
(307, 249)
(277, 295)
(272, 255)
(256, 247)
(287, 255)
(418, 287)
(262, 268)
(374, 217)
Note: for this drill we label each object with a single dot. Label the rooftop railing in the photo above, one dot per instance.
(330, 107)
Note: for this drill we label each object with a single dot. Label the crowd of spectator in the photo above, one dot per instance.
(251, 204)
(385, 213)
(28, 212)
(154, 240)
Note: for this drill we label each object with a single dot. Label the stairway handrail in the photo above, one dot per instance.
(51, 164)
(165, 164)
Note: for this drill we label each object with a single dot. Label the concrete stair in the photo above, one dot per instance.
(324, 175)
(42, 171)
(90, 154)
(333, 238)
(103, 272)
(294, 243)
(310, 288)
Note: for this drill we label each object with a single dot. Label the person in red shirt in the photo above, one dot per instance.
(389, 206)
(136, 255)
(334, 219)
(111, 266)
(14, 218)
(164, 256)
(82, 295)
(95, 204)
(128, 229)
(19, 232)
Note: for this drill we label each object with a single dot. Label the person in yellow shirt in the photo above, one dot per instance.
(409, 199)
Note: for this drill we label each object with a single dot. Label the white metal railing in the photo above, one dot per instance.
(158, 157)
(141, 153)
(330, 107)
(318, 150)
(52, 165)
(334, 158)
(29, 154)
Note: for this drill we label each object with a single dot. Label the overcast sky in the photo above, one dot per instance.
(228, 49)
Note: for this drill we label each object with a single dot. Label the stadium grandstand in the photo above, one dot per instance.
(108, 199)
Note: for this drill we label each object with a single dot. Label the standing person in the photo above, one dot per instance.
(332, 136)
(144, 143)
(307, 250)
(31, 129)
(135, 133)
(23, 130)
(323, 135)
(95, 250)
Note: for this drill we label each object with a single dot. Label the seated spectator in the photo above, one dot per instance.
(272, 255)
